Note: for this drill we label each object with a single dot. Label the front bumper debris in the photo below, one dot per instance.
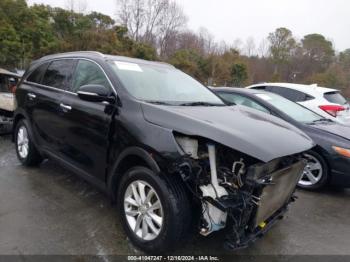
(256, 234)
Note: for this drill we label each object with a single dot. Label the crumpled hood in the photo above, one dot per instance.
(247, 130)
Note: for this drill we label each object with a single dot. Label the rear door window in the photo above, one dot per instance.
(37, 75)
(335, 97)
(59, 74)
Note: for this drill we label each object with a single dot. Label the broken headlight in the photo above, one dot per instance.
(188, 145)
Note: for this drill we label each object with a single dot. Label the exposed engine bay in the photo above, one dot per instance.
(235, 191)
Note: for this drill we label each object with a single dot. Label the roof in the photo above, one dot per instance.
(8, 73)
(237, 90)
(94, 55)
(308, 89)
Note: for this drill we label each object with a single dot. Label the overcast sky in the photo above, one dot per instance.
(231, 19)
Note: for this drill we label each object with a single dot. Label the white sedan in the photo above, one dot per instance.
(326, 102)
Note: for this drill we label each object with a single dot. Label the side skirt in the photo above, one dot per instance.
(81, 173)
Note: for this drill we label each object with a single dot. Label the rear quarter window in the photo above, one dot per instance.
(259, 87)
(290, 94)
(335, 97)
(37, 75)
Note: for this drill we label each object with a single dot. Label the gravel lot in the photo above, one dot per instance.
(48, 210)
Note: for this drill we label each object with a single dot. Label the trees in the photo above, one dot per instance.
(282, 44)
(282, 47)
(9, 45)
(153, 22)
(317, 52)
(27, 37)
(250, 48)
(239, 74)
(43, 30)
(78, 6)
(156, 30)
(344, 59)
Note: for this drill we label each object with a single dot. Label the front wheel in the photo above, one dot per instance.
(315, 174)
(26, 151)
(154, 211)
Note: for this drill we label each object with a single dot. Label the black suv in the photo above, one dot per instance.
(164, 147)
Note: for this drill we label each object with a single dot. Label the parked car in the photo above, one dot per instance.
(329, 161)
(161, 145)
(8, 82)
(326, 102)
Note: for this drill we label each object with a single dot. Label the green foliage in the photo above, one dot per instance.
(188, 61)
(318, 50)
(144, 51)
(334, 77)
(282, 45)
(275, 78)
(9, 45)
(27, 33)
(344, 59)
(239, 74)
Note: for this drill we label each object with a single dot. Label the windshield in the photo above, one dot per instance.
(161, 84)
(294, 110)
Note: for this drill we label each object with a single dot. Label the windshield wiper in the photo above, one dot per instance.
(324, 120)
(159, 102)
(200, 104)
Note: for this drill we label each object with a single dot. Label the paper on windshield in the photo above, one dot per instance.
(128, 66)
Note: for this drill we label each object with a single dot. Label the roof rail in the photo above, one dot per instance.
(86, 52)
(75, 52)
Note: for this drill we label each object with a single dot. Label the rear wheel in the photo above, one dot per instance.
(27, 153)
(154, 211)
(315, 174)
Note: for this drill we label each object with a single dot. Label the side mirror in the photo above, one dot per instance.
(95, 93)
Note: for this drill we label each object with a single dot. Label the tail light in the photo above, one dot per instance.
(332, 109)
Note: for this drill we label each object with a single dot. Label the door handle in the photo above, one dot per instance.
(65, 107)
(31, 95)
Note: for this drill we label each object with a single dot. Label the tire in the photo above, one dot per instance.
(174, 209)
(319, 172)
(26, 151)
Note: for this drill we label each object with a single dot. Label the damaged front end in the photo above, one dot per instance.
(235, 191)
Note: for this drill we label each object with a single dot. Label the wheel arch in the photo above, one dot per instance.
(130, 157)
(17, 118)
(323, 153)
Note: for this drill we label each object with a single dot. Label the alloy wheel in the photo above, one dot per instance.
(313, 171)
(23, 142)
(143, 210)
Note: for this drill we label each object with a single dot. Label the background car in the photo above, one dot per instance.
(8, 83)
(329, 161)
(326, 102)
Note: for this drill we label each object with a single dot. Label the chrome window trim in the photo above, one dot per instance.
(48, 87)
(66, 91)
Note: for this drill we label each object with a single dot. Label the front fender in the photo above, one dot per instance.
(140, 153)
